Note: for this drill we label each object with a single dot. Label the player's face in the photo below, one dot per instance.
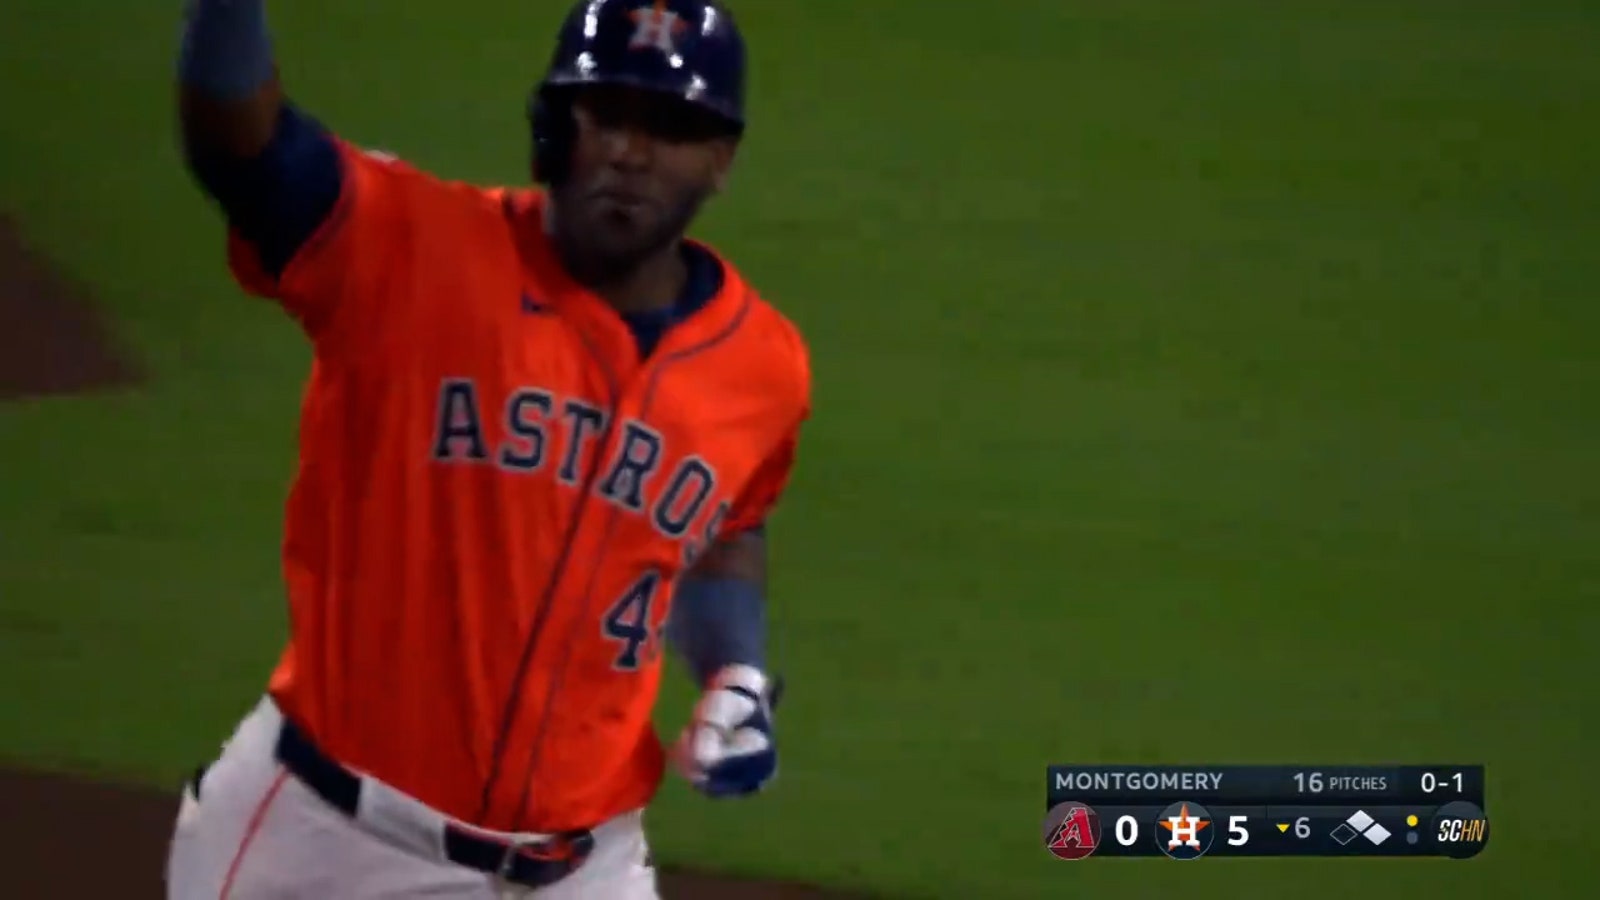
(642, 165)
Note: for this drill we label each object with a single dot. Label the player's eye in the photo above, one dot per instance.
(606, 116)
(671, 124)
(660, 117)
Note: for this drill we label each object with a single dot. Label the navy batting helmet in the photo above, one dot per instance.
(690, 50)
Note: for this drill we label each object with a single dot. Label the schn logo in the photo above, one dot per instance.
(656, 26)
(1071, 830)
(1187, 835)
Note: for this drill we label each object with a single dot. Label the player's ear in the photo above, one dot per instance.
(724, 152)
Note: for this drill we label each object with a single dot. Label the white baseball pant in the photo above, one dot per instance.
(257, 833)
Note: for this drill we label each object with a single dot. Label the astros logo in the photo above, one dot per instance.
(656, 26)
(1071, 830)
(1184, 831)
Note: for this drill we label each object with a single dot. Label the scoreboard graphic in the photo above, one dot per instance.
(1189, 812)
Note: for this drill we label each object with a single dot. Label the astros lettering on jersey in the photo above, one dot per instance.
(496, 496)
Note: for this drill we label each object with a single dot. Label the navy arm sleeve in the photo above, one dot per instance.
(278, 199)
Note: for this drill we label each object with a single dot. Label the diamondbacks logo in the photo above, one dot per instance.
(656, 26)
(1183, 831)
(1071, 830)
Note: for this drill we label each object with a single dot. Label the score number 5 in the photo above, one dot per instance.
(1238, 835)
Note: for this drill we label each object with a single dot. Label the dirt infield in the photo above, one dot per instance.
(67, 838)
(51, 341)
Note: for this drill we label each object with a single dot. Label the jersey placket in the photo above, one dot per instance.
(545, 657)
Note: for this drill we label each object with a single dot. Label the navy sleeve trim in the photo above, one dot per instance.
(718, 622)
(277, 200)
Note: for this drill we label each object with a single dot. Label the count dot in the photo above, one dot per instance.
(1411, 837)
(1412, 820)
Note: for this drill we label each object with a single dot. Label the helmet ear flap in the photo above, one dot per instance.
(553, 131)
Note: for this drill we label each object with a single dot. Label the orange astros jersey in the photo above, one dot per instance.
(495, 496)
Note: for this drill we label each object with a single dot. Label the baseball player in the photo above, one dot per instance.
(536, 420)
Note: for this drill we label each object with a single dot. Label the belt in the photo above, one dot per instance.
(536, 861)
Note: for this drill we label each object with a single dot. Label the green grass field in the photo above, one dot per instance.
(1197, 380)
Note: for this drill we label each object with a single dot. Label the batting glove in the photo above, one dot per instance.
(728, 749)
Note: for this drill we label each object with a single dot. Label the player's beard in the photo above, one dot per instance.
(601, 252)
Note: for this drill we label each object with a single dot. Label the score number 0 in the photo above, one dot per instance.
(1127, 830)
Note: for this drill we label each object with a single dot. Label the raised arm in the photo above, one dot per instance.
(274, 171)
(228, 91)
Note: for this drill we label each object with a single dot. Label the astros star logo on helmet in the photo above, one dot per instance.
(656, 26)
